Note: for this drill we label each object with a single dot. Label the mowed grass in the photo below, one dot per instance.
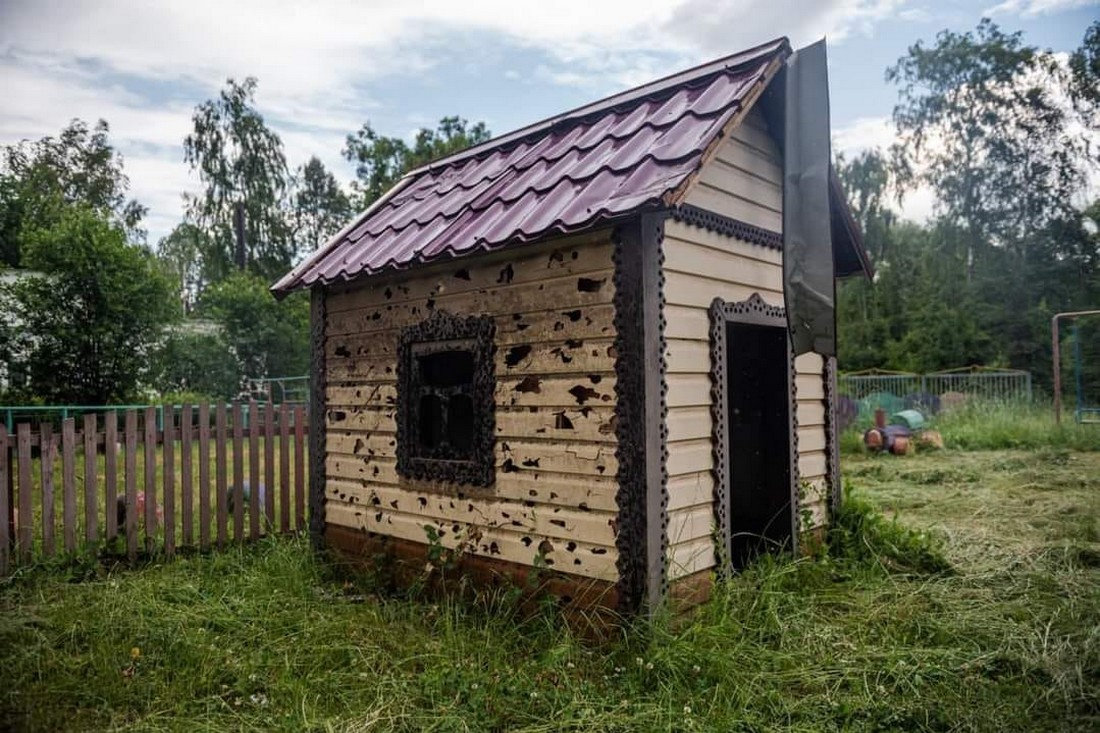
(985, 615)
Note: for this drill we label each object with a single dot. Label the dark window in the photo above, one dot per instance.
(446, 411)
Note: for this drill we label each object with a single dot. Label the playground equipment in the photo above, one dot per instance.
(1082, 412)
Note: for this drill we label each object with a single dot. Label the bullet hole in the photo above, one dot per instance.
(608, 427)
(545, 547)
(342, 350)
(582, 394)
(422, 502)
(583, 506)
(532, 492)
(576, 561)
(455, 528)
(358, 445)
(516, 354)
(595, 378)
(571, 546)
(375, 472)
(612, 351)
(388, 293)
(376, 315)
(556, 257)
(575, 254)
(586, 411)
(394, 504)
(601, 469)
(463, 274)
(343, 496)
(522, 326)
(508, 466)
(526, 541)
(558, 523)
(493, 549)
(529, 504)
(337, 415)
(506, 515)
(561, 354)
(378, 517)
(533, 408)
(506, 274)
(588, 285)
(531, 462)
(562, 421)
(505, 447)
(554, 495)
(375, 500)
(559, 326)
(404, 289)
(431, 303)
(573, 315)
(574, 343)
(388, 370)
(529, 384)
(599, 550)
(469, 507)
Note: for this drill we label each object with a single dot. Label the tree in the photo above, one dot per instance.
(198, 362)
(239, 161)
(381, 161)
(182, 253)
(90, 318)
(1084, 67)
(980, 121)
(39, 179)
(270, 338)
(321, 208)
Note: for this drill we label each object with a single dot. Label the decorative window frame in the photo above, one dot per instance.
(754, 311)
(444, 331)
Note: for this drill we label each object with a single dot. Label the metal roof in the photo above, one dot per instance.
(600, 162)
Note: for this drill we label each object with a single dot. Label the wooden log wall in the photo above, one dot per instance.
(554, 493)
(743, 182)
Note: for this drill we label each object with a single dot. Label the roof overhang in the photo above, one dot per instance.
(849, 254)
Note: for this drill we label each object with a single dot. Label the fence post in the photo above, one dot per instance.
(168, 471)
(254, 479)
(130, 461)
(68, 483)
(269, 464)
(150, 455)
(25, 516)
(110, 472)
(49, 500)
(5, 501)
(238, 472)
(91, 480)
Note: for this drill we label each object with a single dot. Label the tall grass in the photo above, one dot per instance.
(990, 425)
(931, 626)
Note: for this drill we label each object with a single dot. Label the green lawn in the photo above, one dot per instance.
(880, 635)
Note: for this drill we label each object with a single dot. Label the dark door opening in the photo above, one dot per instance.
(758, 425)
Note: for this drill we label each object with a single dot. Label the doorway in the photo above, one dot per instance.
(754, 444)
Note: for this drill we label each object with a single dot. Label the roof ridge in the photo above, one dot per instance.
(665, 83)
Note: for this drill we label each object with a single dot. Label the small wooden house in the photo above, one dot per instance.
(567, 348)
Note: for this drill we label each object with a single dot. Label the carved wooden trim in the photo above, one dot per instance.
(832, 437)
(317, 315)
(722, 224)
(440, 332)
(755, 311)
(640, 412)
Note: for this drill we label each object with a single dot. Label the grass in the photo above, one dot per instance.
(1001, 426)
(961, 592)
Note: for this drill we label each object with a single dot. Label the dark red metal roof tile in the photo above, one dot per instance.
(601, 162)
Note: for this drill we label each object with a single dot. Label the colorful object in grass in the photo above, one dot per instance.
(139, 501)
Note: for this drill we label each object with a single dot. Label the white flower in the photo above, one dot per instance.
(258, 698)
(473, 686)
(696, 669)
(649, 665)
(534, 694)
(570, 665)
(687, 710)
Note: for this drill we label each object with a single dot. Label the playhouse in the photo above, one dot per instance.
(576, 347)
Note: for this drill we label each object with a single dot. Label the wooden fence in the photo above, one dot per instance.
(180, 485)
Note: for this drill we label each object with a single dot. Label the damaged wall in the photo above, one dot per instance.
(554, 492)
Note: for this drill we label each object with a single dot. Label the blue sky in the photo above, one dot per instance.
(325, 67)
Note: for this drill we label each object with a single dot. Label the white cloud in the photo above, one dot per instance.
(143, 66)
(1032, 8)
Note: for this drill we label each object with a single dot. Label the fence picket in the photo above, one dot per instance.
(91, 481)
(254, 481)
(68, 483)
(149, 452)
(238, 472)
(204, 476)
(269, 465)
(284, 467)
(299, 466)
(48, 454)
(110, 472)
(130, 462)
(5, 502)
(168, 470)
(24, 524)
(220, 486)
(186, 488)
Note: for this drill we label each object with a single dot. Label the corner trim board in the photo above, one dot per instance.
(640, 411)
(722, 224)
(832, 437)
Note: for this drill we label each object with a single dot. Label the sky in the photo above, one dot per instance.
(327, 66)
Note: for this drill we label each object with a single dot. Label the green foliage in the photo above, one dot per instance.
(183, 253)
(381, 161)
(320, 207)
(89, 321)
(38, 180)
(239, 160)
(197, 362)
(270, 338)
